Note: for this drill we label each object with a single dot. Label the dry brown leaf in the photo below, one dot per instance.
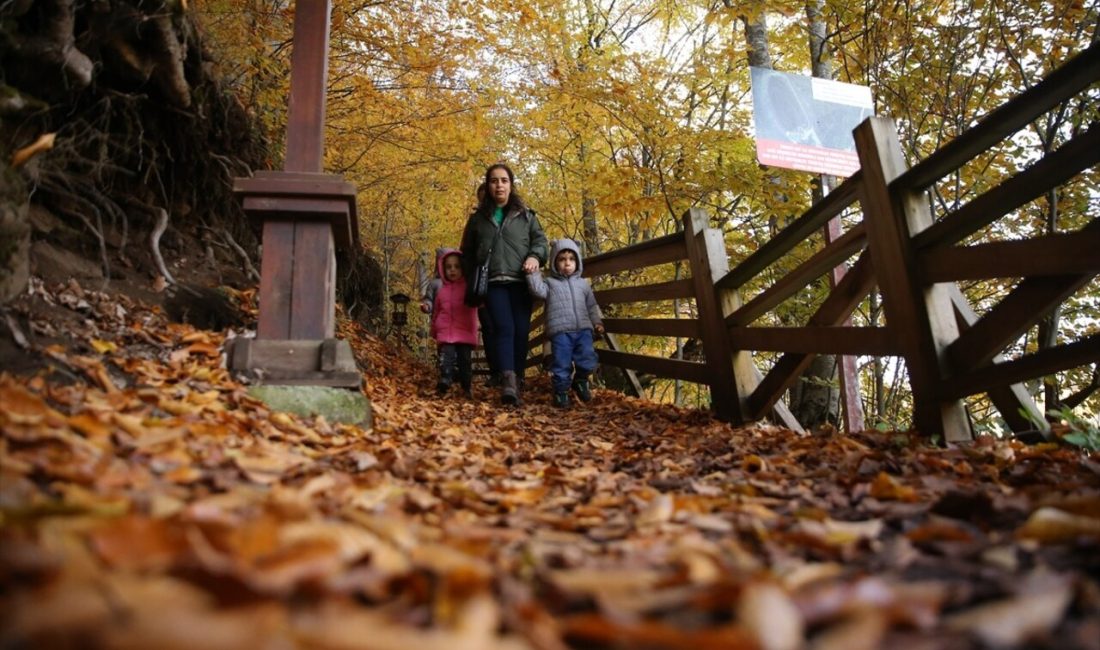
(1053, 526)
(1011, 622)
(139, 543)
(770, 617)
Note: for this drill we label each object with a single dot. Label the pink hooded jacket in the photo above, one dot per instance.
(452, 320)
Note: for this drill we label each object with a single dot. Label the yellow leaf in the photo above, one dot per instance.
(103, 347)
(886, 488)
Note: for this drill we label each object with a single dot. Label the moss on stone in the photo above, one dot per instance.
(335, 404)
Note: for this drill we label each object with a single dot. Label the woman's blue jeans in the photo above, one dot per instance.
(510, 305)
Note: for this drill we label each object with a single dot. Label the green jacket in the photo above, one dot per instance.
(520, 237)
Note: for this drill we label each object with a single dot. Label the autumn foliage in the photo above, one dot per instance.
(148, 501)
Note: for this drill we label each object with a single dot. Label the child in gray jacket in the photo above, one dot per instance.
(571, 317)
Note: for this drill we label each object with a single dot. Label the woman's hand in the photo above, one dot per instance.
(530, 265)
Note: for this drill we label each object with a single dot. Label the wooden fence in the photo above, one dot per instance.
(914, 260)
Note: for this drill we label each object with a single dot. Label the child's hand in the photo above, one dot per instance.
(599, 329)
(425, 307)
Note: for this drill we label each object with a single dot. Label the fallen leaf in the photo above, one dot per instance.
(1011, 622)
(44, 142)
(1053, 526)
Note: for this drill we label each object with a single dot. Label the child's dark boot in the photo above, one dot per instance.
(581, 388)
(466, 380)
(446, 379)
(561, 400)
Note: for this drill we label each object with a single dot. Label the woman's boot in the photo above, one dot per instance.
(509, 393)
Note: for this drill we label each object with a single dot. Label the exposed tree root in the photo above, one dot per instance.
(154, 132)
(154, 243)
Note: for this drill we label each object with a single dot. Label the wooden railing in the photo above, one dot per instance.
(913, 260)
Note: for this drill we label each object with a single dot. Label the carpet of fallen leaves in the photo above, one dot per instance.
(148, 502)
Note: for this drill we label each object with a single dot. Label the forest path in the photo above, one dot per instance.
(148, 501)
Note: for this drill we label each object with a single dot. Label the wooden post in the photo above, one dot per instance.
(731, 370)
(706, 251)
(921, 318)
(299, 256)
(306, 215)
(846, 364)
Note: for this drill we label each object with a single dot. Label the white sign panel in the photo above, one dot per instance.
(806, 123)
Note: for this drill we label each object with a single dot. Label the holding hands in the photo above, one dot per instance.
(530, 265)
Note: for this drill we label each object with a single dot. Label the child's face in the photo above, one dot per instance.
(452, 268)
(566, 262)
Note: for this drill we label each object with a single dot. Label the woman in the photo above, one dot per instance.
(518, 249)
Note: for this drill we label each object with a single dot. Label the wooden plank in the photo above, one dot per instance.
(1042, 363)
(840, 339)
(847, 372)
(670, 248)
(659, 366)
(1050, 171)
(1057, 254)
(1024, 306)
(643, 293)
(1073, 76)
(305, 137)
(840, 303)
(781, 413)
(334, 212)
(1016, 406)
(820, 263)
(631, 376)
(312, 300)
(304, 184)
(706, 249)
(682, 327)
(794, 234)
(276, 271)
(921, 318)
(536, 341)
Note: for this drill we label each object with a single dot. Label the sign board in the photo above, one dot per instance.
(806, 123)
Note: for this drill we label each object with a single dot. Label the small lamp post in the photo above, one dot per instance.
(400, 315)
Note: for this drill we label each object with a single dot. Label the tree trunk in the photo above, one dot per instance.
(756, 35)
(588, 211)
(845, 374)
(815, 399)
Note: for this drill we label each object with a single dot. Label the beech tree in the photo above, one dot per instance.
(617, 117)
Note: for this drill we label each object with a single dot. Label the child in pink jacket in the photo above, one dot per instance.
(454, 325)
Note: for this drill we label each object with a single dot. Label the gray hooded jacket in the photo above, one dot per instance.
(570, 303)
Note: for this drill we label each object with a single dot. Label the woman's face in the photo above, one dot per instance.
(500, 186)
